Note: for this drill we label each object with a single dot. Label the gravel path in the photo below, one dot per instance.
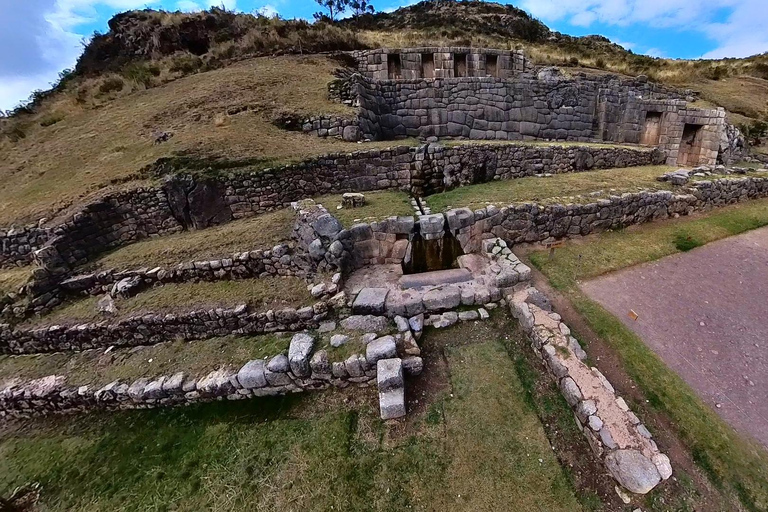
(705, 312)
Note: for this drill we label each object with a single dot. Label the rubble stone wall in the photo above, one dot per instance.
(17, 245)
(613, 431)
(150, 329)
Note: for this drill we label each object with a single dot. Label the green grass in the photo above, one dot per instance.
(614, 250)
(262, 232)
(94, 367)
(378, 205)
(11, 279)
(263, 293)
(733, 463)
(322, 451)
(560, 188)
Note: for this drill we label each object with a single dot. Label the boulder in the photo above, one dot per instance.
(299, 352)
(251, 375)
(633, 470)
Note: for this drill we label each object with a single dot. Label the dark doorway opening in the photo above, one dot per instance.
(427, 65)
(429, 255)
(492, 65)
(651, 129)
(690, 145)
(460, 64)
(394, 67)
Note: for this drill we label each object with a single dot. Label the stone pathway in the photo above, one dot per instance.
(705, 313)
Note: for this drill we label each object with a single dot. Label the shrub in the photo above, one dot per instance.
(141, 73)
(685, 242)
(111, 84)
(716, 72)
(186, 64)
(51, 120)
(573, 61)
(600, 63)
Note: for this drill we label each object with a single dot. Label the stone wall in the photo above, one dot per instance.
(414, 63)
(17, 245)
(300, 370)
(154, 328)
(615, 433)
(344, 128)
(550, 107)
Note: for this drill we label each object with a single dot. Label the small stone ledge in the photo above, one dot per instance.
(615, 434)
(303, 369)
(150, 329)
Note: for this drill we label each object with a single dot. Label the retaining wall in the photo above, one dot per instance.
(150, 329)
(16, 245)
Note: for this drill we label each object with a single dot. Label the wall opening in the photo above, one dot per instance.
(690, 145)
(394, 67)
(460, 64)
(429, 255)
(427, 65)
(492, 65)
(651, 129)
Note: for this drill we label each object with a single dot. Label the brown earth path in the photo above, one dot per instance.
(705, 313)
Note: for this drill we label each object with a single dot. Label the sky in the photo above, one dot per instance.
(41, 37)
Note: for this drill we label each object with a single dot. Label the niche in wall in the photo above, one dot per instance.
(651, 129)
(394, 67)
(492, 65)
(690, 145)
(427, 65)
(459, 64)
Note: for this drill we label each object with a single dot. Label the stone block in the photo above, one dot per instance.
(298, 354)
(392, 404)
(381, 348)
(251, 375)
(370, 301)
(389, 374)
(446, 297)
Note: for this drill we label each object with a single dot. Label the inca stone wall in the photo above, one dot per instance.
(17, 245)
(615, 433)
(520, 107)
(150, 329)
(333, 126)
(437, 62)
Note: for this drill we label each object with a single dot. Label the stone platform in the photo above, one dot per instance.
(435, 278)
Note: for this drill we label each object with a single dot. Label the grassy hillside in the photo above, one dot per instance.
(204, 77)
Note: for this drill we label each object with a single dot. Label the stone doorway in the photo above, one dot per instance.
(394, 67)
(651, 129)
(690, 145)
(492, 65)
(460, 65)
(427, 65)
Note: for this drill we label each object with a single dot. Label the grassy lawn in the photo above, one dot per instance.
(480, 446)
(560, 188)
(265, 293)
(735, 465)
(55, 166)
(261, 232)
(11, 279)
(378, 205)
(127, 364)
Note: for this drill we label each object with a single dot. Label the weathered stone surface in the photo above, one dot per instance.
(365, 323)
(381, 348)
(298, 354)
(446, 297)
(251, 375)
(633, 470)
(392, 404)
(389, 374)
(413, 365)
(338, 340)
(370, 301)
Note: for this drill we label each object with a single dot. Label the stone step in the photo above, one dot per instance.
(435, 278)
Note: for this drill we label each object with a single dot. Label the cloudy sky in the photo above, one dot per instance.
(41, 37)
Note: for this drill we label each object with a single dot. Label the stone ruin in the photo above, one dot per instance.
(491, 94)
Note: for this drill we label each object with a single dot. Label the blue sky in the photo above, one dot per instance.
(42, 37)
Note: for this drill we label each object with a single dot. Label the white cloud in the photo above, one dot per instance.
(740, 34)
(268, 10)
(188, 6)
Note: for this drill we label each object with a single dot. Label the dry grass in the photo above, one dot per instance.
(261, 232)
(262, 294)
(560, 188)
(378, 205)
(88, 149)
(94, 367)
(11, 279)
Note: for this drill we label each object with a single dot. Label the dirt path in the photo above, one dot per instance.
(705, 313)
